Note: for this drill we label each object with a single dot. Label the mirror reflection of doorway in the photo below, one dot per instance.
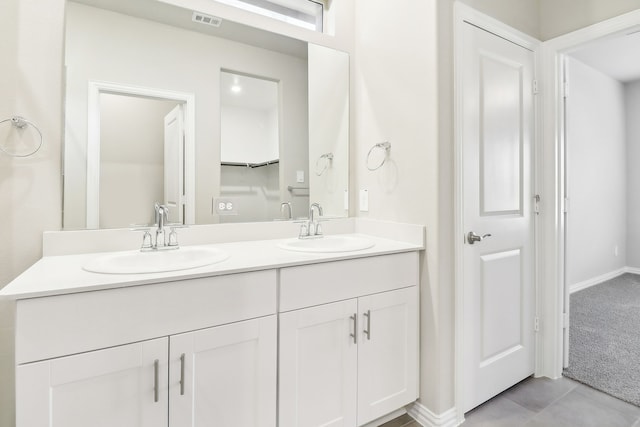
(249, 147)
(141, 157)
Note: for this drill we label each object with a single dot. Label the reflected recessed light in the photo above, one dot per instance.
(236, 88)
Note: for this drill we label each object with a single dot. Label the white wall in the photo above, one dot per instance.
(559, 17)
(31, 86)
(111, 47)
(248, 135)
(632, 107)
(596, 174)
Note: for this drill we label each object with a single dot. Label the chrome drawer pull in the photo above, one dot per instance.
(367, 331)
(354, 335)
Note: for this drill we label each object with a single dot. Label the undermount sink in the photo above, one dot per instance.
(326, 244)
(137, 262)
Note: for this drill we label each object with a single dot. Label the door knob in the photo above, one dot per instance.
(473, 237)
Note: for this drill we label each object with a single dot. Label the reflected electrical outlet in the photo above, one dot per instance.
(225, 206)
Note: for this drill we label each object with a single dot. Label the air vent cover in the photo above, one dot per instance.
(202, 18)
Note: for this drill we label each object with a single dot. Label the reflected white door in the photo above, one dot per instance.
(498, 134)
(174, 164)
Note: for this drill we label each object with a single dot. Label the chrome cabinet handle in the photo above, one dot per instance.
(156, 375)
(473, 237)
(354, 335)
(182, 356)
(367, 331)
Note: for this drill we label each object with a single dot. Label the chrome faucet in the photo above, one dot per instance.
(161, 241)
(311, 228)
(162, 217)
(286, 205)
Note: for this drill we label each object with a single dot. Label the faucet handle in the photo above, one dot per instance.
(304, 229)
(173, 237)
(146, 240)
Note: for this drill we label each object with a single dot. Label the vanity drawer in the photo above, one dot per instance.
(66, 324)
(316, 284)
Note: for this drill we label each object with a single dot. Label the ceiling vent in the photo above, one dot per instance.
(201, 18)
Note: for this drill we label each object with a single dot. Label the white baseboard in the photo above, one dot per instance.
(426, 418)
(602, 278)
(632, 270)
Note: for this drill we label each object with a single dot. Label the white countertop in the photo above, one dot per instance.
(57, 275)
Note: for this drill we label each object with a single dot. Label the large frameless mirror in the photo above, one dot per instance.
(147, 119)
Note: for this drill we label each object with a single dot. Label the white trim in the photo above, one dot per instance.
(632, 270)
(597, 280)
(462, 14)
(93, 143)
(553, 251)
(426, 418)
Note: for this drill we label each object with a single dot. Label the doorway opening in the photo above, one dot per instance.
(602, 192)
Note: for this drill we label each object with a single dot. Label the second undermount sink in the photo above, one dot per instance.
(326, 244)
(137, 262)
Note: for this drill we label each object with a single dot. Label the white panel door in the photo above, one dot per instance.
(225, 376)
(318, 366)
(498, 136)
(174, 164)
(123, 386)
(387, 352)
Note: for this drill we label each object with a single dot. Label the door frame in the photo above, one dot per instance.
(93, 142)
(464, 15)
(553, 276)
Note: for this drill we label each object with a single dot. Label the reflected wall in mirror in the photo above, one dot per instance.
(152, 46)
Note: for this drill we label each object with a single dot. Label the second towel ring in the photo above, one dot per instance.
(21, 123)
(328, 159)
(386, 146)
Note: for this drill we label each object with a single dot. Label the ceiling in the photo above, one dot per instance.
(617, 57)
(154, 10)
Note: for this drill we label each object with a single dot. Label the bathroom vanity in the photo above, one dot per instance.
(266, 337)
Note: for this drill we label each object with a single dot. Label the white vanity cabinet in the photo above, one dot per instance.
(224, 376)
(120, 386)
(194, 374)
(305, 342)
(348, 362)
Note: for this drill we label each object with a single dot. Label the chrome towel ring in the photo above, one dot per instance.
(386, 146)
(21, 123)
(328, 158)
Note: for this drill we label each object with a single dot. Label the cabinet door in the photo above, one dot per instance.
(225, 376)
(122, 386)
(318, 371)
(387, 352)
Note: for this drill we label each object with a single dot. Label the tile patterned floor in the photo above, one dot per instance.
(541, 402)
